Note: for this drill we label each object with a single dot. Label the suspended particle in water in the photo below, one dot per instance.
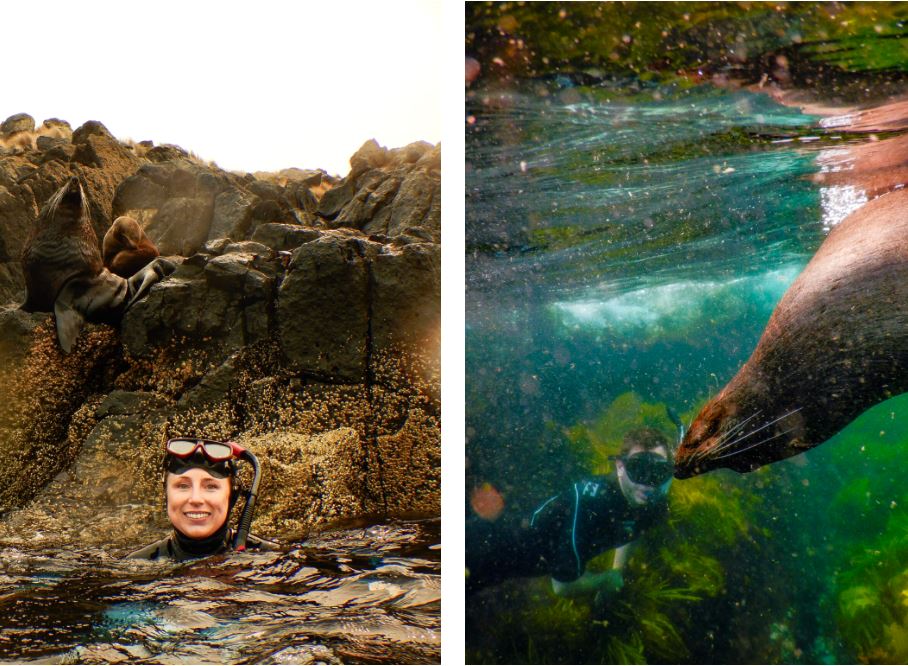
(472, 69)
(487, 502)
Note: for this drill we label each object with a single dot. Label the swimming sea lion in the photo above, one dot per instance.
(63, 270)
(836, 344)
(126, 248)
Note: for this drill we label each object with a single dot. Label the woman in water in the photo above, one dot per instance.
(200, 490)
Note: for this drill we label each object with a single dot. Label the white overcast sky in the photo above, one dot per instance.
(254, 85)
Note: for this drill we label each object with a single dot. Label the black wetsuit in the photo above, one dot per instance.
(179, 547)
(560, 536)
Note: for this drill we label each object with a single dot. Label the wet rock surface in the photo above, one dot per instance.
(303, 320)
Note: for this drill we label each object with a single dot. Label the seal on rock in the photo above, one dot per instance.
(126, 248)
(64, 272)
(836, 344)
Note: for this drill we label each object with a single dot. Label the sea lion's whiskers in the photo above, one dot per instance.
(726, 445)
(718, 446)
(731, 433)
(762, 441)
(704, 452)
(752, 432)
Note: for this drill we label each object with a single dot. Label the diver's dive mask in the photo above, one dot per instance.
(218, 459)
(648, 469)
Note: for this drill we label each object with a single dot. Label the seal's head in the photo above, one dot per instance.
(740, 434)
(67, 208)
(125, 248)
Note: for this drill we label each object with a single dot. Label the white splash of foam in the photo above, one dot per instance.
(670, 309)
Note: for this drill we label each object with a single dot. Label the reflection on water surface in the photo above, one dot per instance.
(367, 595)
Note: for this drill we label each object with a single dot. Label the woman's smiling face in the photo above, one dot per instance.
(197, 503)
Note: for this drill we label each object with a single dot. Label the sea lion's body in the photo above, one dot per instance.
(836, 344)
(64, 273)
(126, 248)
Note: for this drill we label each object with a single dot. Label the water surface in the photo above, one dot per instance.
(364, 595)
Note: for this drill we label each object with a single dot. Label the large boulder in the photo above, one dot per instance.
(323, 308)
(336, 198)
(174, 202)
(311, 480)
(232, 215)
(223, 301)
(406, 298)
(395, 194)
(102, 163)
(21, 122)
(416, 208)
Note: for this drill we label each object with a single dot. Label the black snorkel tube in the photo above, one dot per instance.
(673, 415)
(242, 532)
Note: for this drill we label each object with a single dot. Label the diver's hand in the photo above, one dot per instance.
(606, 583)
(610, 583)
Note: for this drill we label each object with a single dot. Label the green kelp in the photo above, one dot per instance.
(594, 442)
(872, 596)
(673, 40)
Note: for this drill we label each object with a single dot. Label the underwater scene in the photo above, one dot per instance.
(633, 218)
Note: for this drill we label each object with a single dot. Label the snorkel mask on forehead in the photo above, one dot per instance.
(219, 460)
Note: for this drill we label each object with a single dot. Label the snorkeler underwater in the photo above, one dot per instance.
(220, 405)
(685, 303)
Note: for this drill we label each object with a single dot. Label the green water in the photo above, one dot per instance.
(626, 244)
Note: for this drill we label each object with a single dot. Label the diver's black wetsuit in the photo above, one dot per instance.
(560, 536)
(179, 547)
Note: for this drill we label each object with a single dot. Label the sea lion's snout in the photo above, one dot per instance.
(693, 456)
(686, 471)
(72, 202)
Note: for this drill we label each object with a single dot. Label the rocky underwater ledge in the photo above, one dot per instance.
(302, 321)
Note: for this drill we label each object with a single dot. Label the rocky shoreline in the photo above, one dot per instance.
(302, 319)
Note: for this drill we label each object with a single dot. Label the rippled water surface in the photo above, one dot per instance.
(368, 595)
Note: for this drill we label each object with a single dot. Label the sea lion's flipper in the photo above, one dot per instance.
(69, 321)
(154, 272)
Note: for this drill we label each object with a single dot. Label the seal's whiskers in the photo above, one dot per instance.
(748, 448)
(731, 433)
(752, 432)
(724, 442)
(704, 452)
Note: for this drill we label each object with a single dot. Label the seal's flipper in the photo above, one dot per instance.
(154, 272)
(69, 321)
